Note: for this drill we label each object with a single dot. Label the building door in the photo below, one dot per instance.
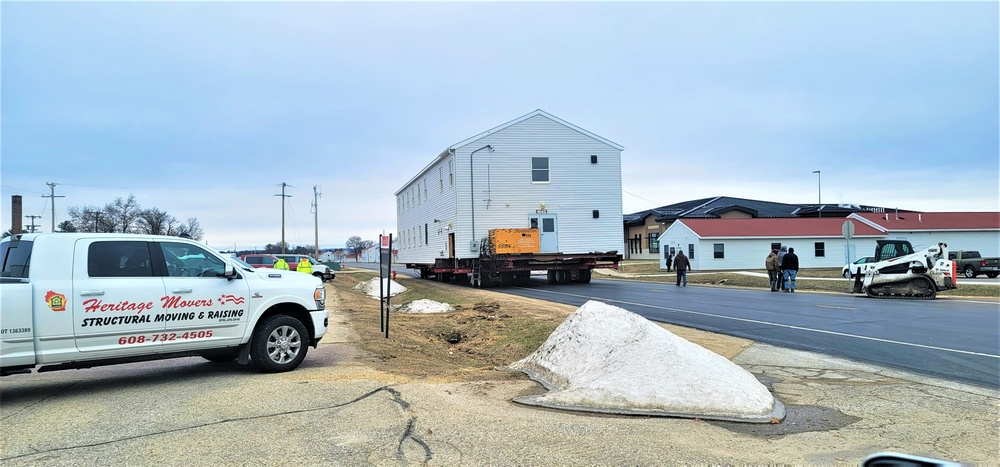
(451, 245)
(548, 241)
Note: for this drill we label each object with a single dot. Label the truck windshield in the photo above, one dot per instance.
(16, 257)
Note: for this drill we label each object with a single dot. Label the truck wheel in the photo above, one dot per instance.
(970, 272)
(585, 275)
(222, 356)
(279, 344)
(992, 275)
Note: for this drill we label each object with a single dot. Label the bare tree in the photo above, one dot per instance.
(155, 222)
(89, 219)
(123, 214)
(356, 245)
(192, 229)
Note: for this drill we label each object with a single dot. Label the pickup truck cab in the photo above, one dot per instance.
(77, 300)
(971, 264)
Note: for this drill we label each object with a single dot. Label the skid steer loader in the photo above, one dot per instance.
(901, 272)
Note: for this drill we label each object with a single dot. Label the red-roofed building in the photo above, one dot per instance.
(716, 244)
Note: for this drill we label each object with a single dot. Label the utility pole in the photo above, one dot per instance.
(283, 196)
(316, 195)
(52, 188)
(32, 225)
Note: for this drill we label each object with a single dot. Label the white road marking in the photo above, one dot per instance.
(787, 326)
(835, 307)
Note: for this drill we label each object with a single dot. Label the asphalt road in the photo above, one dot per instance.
(955, 339)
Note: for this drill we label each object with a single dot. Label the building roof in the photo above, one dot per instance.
(525, 117)
(451, 149)
(776, 228)
(922, 221)
(716, 206)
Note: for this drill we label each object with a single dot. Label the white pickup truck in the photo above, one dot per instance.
(78, 300)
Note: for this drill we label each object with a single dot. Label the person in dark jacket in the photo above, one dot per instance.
(681, 265)
(782, 251)
(790, 266)
(669, 259)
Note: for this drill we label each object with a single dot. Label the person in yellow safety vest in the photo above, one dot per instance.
(305, 266)
(281, 264)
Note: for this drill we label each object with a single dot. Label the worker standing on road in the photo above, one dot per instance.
(681, 265)
(790, 266)
(781, 274)
(773, 269)
(281, 264)
(305, 266)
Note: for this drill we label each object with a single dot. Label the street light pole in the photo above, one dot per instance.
(819, 192)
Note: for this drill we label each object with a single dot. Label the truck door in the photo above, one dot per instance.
(116, 297)
(548, 241)
(201, 307)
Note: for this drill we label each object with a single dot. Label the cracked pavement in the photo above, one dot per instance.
(337, 410)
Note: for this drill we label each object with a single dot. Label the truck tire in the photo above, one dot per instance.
(970, 272)
(279, 344)
(992, 275)
(585, 275)
(222, 356)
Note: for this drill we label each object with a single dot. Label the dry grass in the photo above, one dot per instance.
(494, 330)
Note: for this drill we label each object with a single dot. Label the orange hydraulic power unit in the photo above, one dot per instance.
(514, 241)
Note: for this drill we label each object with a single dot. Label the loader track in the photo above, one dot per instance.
(919, 288)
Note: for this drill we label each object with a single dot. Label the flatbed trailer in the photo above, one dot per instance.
(493, 270)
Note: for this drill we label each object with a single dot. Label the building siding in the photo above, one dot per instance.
(504, 196)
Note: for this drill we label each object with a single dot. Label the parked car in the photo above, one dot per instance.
(260, 260)
(856, 268)
(320, 270)
(971, 263)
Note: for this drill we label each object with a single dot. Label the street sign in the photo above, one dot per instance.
(848, 229)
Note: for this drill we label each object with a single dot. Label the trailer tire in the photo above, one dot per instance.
(551, 275)
(279, 344)
(585, 276)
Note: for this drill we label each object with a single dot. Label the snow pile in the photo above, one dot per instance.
(425, 306)
(371, 288)
(607, 359)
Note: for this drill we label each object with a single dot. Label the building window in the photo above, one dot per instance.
(690, 250)
(654, 242)
(539, 169)
(451, 172)
(820, 249)
(776, 246)
(720, 250)
(441, 178)
(426, 196)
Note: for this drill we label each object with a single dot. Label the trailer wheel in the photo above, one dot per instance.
(551, 275)
(279, 344)
(585, 276)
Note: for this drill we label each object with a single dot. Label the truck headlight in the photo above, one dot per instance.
(320, 296)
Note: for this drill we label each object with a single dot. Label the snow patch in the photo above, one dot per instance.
(607, 359)
(425, 306)
(371, 287)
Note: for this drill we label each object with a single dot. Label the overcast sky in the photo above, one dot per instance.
(204, 109)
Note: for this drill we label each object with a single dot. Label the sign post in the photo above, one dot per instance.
(384, 276)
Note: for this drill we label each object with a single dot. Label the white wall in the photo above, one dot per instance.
(505, 196)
